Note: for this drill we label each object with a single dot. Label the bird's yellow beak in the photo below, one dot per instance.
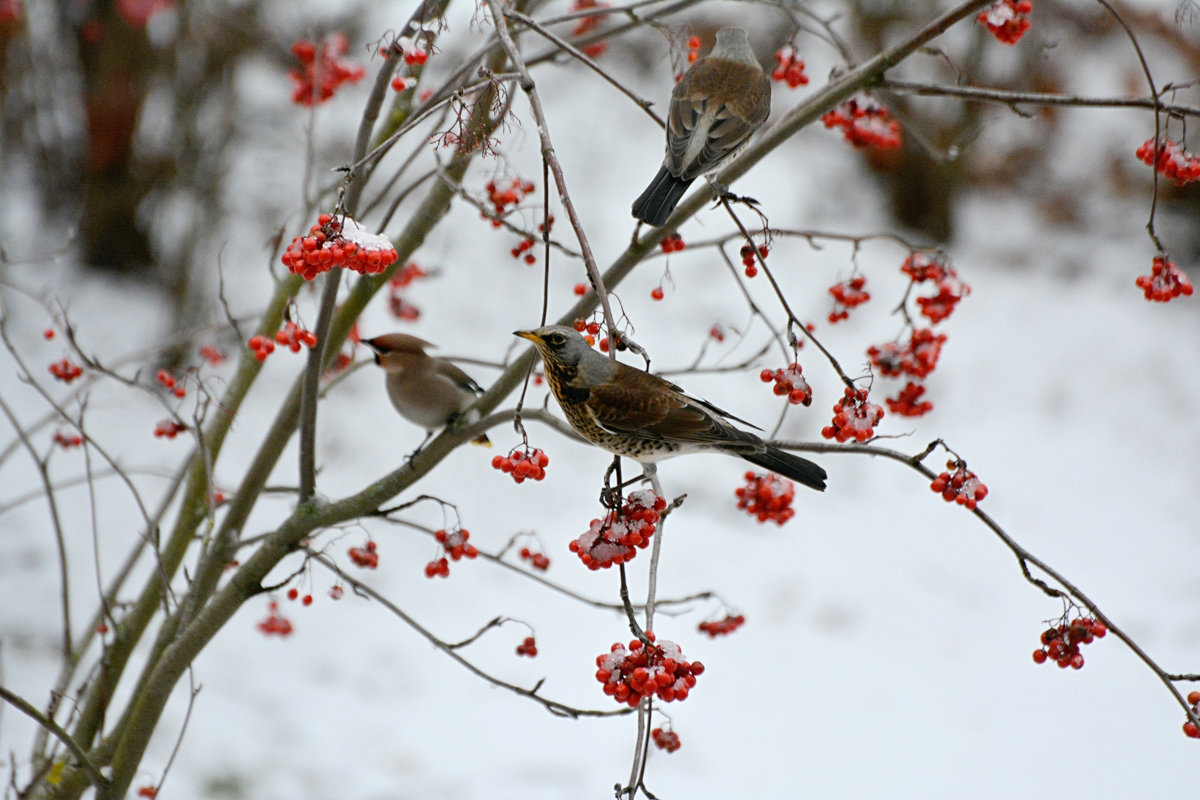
(530, 335)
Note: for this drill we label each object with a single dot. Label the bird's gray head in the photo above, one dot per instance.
(396, 345)
(734, 44)
(560, 344)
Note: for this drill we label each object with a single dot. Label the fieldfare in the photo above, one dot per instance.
(638, 415)
(426, 390)
(714, 108)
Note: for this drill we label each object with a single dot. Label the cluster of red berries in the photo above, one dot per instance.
(338, 243)
(275, 624)
(1007, 20)
(1164, 283)
(665, 740)
(525, 247)
(629, 674)
(322, 70)
(168, 382)
(961, 486)
(213, 355)
(538, 561)
(365, 556)
(616, 539)
(414, 54)
(455, 544)
(587, 328)
(722, 627)
(522, 464)
(789, 383)
(747, 254)
(401, 308)
(261, 345)
(767, 496)
(717, 333)
(847, 295)
(1060, 644)
(67, 440)
(908, 402)
(294, 594)
(1170, 159)
(693, 49)
(292, 336)
(853, 418)
(950, 291)
(1189, 728)
(672, 243)
(589, 23)
(503, 198)
(147, 791)
(917, 357)
(789, 69)
(864, 122)
(528, 647)
(169, 428)
(65, 370)
(920, 267)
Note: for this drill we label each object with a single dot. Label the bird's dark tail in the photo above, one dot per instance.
(798, 469)
(659, 200)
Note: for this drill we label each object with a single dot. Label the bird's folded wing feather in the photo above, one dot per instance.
(458, 376)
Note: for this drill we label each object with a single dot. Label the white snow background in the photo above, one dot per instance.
(887, 646)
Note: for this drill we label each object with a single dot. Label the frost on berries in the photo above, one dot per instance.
(959, 485)
(789, 383)
(1007, 20)
(528, 647)
(789, 68)
(322, 69)
(665, 740)
(455, 545)
(767, 497)
(1061, 642)
(853, 418)
(617, 538)
(275, 624)
(522, 464)
(639, 670)
(338, 242)
(365, 556)
(722, 627)
(65, 370)
(916, 357)
(864, 122)
(1171, 160)
(847, 295)
(1165, 281)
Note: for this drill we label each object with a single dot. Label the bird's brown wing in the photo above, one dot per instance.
(638, 402)
(739, 111)
(458, 376)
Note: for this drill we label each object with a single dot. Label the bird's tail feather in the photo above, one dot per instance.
(660, 198)
(798, 469)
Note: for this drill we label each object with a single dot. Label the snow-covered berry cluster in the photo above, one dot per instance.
(665, 740)
(617, 538)
(922, 267)
(322, 69)
(1165, 281)
(366, 556)
(789, 68)
(723, 627)
(853, 417)
(1171, 159)
(864, 122)
(637, 671)
(168, 428)
(1060, 643)
(522, 464)
(959, 485)
(789, 383)
(338, 242)
(847, 295)
(1007, 20)
(916, 357)
(767, 497)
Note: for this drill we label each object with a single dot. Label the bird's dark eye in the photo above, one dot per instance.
(556, 340)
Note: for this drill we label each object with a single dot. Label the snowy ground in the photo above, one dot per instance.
(887, 647)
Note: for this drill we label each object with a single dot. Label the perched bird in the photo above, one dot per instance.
(426, 390)
(634, 414)
(718, 103)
